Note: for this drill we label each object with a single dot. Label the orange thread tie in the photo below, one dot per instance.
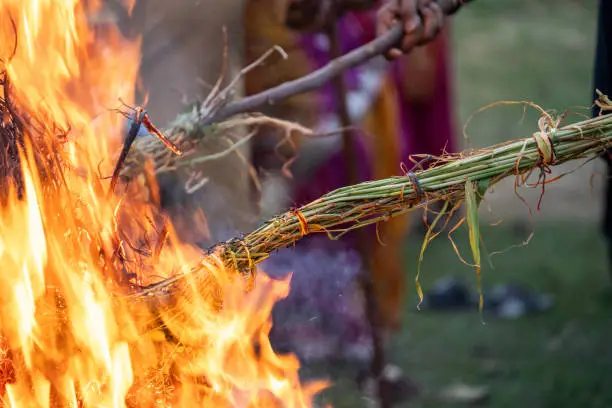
(304, 229)
(153, 130)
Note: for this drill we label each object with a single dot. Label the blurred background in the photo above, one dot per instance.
(540, 51)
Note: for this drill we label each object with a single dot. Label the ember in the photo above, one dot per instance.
(67, 246)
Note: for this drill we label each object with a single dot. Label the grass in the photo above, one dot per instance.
(515, 50)
(521, 50)
(560, 358)
(554, 359)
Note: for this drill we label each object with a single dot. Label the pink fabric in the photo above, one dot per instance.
(426, 128)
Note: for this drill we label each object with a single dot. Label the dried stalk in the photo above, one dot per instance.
(368, 203)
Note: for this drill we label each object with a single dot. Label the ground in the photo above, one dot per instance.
(557, 359)
(543, 52)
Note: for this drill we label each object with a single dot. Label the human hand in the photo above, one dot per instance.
(421, 21)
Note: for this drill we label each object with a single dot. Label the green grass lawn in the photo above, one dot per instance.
(540, 51)
(523, 50)
(561, 358)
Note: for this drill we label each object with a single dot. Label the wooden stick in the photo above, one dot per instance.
(323, 75)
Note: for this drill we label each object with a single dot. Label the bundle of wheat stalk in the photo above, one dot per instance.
(201, 134)
(453, 179)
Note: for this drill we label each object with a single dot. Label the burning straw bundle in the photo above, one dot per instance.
(452, 179)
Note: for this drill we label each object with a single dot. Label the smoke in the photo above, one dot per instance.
(216, 211)
(323, 315)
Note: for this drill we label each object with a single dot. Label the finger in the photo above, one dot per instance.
(440, 15)
(423, 4)
(394, 53)
(413, 27)
(409, 13)
(410, 41)
(385, 20)
(437, 20)
(428, 22)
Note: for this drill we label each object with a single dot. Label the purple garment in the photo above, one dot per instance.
(323, 267)
(321, 301)
(355, 30)
(428, 127)
(423, 128)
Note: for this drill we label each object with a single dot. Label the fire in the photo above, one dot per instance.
(67, 247)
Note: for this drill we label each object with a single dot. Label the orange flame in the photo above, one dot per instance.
(66, 246)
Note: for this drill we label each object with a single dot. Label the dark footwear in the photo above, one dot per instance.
(395, 386)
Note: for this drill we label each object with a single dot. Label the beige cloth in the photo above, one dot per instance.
(182, 48)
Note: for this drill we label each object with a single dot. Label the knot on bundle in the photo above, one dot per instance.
(304, 228)
(416, 186)
(546, 148)
(545, 139)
